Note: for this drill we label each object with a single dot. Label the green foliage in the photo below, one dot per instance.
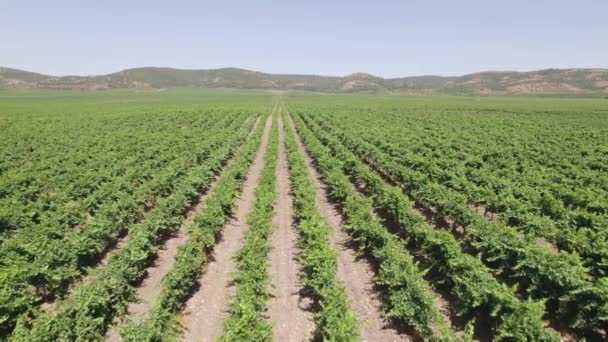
(245, 321)
(157, 211)
(407, 296)
(50, 254)
(334, 321)
(514, 190)
(517, 255)
(162, 322)
(469, 281)
(542, 273)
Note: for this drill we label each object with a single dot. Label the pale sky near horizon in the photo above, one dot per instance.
(385, 38)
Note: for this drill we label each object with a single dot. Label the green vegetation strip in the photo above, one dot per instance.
(468, 279)
(162, 322)
(86, 316)
(33, 195)
(245, 321)
(334, 320)
(407, 297)
(42, 263)
(574, 300)
(567, 210)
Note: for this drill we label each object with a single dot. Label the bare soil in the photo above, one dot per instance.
(542, 242)
(355, 274)
(288, 310)
(52, 306)
(485, 212)
(151, 286)
(206, 309)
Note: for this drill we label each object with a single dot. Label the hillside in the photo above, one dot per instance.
(550, 81)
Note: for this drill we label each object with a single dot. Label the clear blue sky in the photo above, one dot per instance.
(386, 38)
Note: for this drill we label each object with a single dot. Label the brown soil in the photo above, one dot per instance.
(52, 306)
(288, 310)
(444, 303)
(542, 242)
(356, 274)
(441, 302)
(602, 84)
(485, 212)
(151, 286)
(444, 307)
(206, 309)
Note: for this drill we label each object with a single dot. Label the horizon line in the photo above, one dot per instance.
(305, 74)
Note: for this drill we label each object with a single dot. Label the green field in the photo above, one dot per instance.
(495, 207)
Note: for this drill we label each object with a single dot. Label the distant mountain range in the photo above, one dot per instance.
(549, 81)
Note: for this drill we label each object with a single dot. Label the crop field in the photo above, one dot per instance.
(233, 215)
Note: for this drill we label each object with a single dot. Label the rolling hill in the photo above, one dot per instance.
(549, 81)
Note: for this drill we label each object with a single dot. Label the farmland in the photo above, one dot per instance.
(239, 215)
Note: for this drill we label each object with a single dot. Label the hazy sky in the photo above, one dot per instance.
(386, 38)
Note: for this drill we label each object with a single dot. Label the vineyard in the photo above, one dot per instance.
(252, 216)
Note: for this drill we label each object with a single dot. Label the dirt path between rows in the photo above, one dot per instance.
(356, 274)
(122, 241)
(206, 309)
(288, 310)
(151, 286)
